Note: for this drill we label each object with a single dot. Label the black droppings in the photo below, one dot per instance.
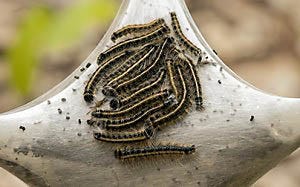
(251, 118)
(59, 111)
(22, 128)
(79, 121)
(82, 69)
(221, 69)
(79, 134)
(48, 102)
(215, 52)
(63, 99)
(67, 117)
(76, 77)
(88, 65)
(219, 81)
(73, 89)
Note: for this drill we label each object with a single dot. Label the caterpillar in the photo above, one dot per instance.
(146, 133)
(135, 107)
(127, 64)
(177, 109)
(191, 71)
(133, 120)
(138, 29)
(101, 70)
(154, 36)
(131, 69)
(182, 38)
(171, 72)
(117, 103)
(151, 69)
(126, 153)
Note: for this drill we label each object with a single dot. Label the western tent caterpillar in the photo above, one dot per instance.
(101, 70)
(134, 42)
(182, 38)
(131, 69)
(126, 153)
(150, 70)
(104, 122)
(137, 29)
(191, 72)
(170, 69)
(178, 108)
(117, 137)
(142, 115)
(130, 61)
(117, 103)
(130, 89)
(135, 107)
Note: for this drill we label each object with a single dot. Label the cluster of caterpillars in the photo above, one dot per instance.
(149, 79)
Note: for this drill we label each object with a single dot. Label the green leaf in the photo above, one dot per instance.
(43, 30)
(23, 55)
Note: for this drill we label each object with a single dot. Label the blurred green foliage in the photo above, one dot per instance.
(43, 29)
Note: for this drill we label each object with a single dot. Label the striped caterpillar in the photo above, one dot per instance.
(186, 43)
(117, 103)
(127, 153)
(90, 88)
(116, 137)
(137, 29)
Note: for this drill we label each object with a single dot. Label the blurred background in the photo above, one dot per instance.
(43, 41)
